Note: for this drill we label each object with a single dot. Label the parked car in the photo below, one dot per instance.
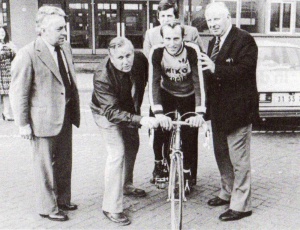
(278, 80)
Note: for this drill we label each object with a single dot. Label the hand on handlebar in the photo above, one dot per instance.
(165, 122)
(195, 121)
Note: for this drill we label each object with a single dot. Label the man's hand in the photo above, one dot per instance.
(207, 63)
(26, 132)
(149, 122)
(195, 121)
(165, 122)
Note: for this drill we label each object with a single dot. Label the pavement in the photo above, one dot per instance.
(275, 159)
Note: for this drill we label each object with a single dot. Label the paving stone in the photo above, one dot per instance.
(275, 175)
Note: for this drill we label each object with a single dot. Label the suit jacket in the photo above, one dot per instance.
(153, 37)
(37, 92)
(114, 99)
(232, 96)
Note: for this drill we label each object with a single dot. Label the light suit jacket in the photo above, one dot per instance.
(37, 92)
(153, 37)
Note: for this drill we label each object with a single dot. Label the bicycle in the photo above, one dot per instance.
(176, 189)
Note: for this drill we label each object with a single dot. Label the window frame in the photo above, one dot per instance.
(292, 17)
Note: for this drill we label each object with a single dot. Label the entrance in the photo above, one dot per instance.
(92, 25)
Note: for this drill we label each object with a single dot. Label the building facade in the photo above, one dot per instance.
(92, 23)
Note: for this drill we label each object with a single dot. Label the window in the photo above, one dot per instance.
(297, 30)
(249, 19)
(284, 16)
(4, 18)
(194, 15)
(232, 6)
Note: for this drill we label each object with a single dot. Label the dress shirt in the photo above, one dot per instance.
(224, 36)
(54, 55)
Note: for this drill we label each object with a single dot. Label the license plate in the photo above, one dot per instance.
(287, 99)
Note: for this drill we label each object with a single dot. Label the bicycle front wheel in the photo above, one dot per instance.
(176, 191)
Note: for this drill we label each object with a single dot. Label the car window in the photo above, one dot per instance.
(278, 57)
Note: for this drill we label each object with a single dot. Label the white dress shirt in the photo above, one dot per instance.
(224, 36)
(54, 55)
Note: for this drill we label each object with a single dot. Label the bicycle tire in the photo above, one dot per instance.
(177, 190)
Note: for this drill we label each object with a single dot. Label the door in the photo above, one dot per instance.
(153, 14)
(107, 22)
(116, 18)
(80, 24)
(134, 22)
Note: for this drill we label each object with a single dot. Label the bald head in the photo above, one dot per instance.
(218, 18)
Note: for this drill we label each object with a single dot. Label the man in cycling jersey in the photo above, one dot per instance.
(176, 82)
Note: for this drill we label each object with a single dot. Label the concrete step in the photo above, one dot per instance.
(87, 63)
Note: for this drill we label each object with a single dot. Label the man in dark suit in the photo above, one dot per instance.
(45, 103)
(232, 101)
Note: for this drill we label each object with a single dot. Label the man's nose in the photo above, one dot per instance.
(64, 31)
(125, 61)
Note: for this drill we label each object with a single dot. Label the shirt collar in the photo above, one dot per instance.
(224, 36)
(179, 51)
(118, 72)
(50, 47)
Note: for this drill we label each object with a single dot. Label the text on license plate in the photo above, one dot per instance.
(286, 98)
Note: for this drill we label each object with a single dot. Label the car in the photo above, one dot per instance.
(278, 80)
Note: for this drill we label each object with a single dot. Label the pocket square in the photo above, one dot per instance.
(229, 60)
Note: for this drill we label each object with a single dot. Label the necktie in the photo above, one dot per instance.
(63, 72)
(215, 50)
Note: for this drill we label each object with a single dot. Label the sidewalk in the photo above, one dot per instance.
(275, 182)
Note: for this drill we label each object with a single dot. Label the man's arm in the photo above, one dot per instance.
(155, 73)
(197, 76)
(109, 103)
(20, 87)
(197, 39)
(147, 44)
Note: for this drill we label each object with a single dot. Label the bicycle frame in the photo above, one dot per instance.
(176, 165)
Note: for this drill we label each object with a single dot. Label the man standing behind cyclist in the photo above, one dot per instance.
(175, 82)
(167, 12)
(116, 102)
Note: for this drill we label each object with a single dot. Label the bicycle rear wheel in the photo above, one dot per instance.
(176, 191)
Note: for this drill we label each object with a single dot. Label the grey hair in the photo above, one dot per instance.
(218, 5)
(45, 11)
(119, 42)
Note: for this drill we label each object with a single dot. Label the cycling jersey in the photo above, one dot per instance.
(179, 74)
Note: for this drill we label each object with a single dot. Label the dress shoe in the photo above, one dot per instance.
(59, 216)
(6, 118)
(135, 192)
(230, 215)
(68, 207)
(217, 201)
(119, 218)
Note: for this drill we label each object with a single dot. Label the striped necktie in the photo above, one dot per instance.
(215, 50)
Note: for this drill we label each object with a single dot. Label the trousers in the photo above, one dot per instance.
(52, 160)
(122, 144)
(232, 153)
(189, 135)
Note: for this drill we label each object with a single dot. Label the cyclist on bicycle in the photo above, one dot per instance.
(176, 83)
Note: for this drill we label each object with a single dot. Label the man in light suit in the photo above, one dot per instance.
(167, 12)
(232, 101)
(45, 103)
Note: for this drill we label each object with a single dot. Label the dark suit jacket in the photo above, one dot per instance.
(231, 90)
